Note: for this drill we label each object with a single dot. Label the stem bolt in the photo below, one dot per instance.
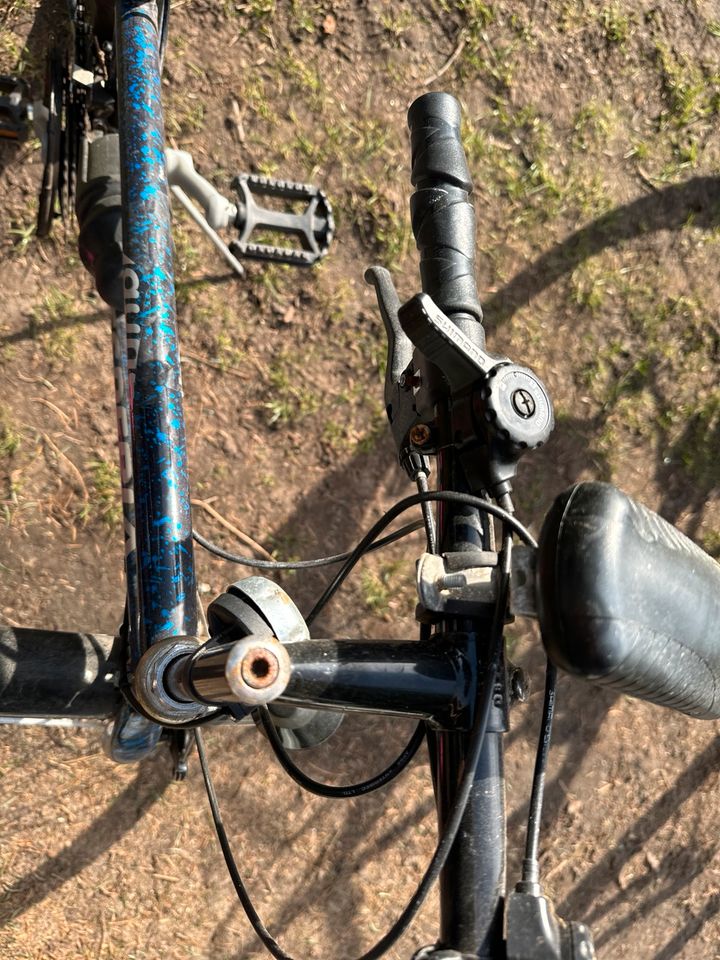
(259, 668)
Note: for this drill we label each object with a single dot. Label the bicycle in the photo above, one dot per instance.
(178, 683)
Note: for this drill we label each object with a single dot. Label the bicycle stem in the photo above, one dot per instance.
(433, 680)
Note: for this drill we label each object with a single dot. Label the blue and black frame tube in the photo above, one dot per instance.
(162, 498)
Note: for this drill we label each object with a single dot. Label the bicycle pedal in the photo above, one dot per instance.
(16, 112)
(312, 228)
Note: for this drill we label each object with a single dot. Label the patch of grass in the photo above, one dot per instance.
(378, 429)
(476, 14)
(344, 141)
(512, 154)
(336, 435)
(226, 354)
(615, 25)
(290, 399)
(381, 220)
(306, 78)
(258, 12)
(377, 588)
(690, 92)
(105, 501)
(52, 324)
(187, 256)
(592, 124)
(304, 16)
(396, 23)
(711, 543)
(334, 302)
(186, 117)
(255, 96)
(698, 443)
(10, 439)
(23, 235)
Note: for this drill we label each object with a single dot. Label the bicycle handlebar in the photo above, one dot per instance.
(626, 600)
(443, 217)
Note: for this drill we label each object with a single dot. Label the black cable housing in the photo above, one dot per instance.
(340, 792)
(530, 867)
(301, 564)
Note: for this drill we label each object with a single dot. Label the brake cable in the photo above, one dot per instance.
(334, 791)
(302, 564)
(530, 865)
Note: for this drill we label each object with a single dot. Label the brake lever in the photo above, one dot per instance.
(496, 403)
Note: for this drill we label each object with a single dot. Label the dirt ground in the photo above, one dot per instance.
(592, 135)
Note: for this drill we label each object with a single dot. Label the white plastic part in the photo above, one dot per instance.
(181, 172)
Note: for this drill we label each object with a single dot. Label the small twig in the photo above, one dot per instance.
(248, 541)
(215, 364)
(71, 466)
(51, 406)
(236, 120)
(646, 179)
(9, 621)
(448, 63)
(42, 380)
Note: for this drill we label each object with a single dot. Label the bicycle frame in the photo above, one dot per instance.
(167, 604)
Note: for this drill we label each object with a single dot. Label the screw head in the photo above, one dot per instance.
(523, 403)
(420, 434)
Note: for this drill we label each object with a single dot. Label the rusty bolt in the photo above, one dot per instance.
(420, 434)
(259, 668)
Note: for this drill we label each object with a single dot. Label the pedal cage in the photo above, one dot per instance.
(314, 227)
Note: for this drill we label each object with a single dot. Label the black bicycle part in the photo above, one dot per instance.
(627, 601)
(530, 867)
(443, 217)
(472, 883)
(53, 102)
(471, 502)
(55, 674)
(99, 213)
(232, 616)
(213, 548)
(334, 791)
(313, 228)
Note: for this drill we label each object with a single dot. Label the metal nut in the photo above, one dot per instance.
(149, 682)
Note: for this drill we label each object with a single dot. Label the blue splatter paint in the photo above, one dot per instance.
(164, 531)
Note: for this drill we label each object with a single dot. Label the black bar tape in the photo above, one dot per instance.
(443, 217)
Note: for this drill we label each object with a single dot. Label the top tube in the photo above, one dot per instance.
(168, 605)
